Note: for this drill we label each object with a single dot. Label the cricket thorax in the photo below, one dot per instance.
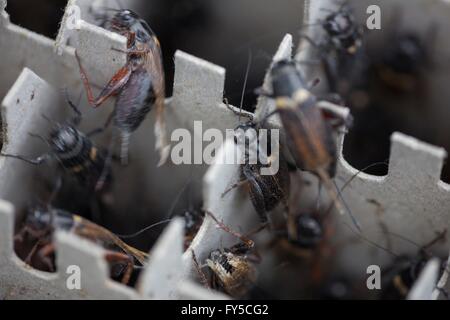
(67, 142)
(76, 153)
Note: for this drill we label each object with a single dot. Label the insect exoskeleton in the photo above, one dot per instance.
(231, 270)
(264, 171)
(344, 33)
(310, 129)
(75, 152)
(139, 85)
(40, 225)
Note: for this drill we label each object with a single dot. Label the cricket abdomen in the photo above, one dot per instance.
(134, 101)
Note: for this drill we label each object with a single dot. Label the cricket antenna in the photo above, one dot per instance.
(385, 163)
(337, 203)
(423, 249)
(340, 191)
(372, 243)
(439, 237)
(50, 121)
(77, 119)
(134, 235)
(247, 72)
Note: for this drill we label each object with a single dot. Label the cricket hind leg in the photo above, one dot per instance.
(117, 82)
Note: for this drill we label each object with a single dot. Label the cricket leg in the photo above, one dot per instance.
(233, 186)
(222, 226)
(78, 116)
(33, 252)
(255, 257)
(26, 230)
(44, 255)
(37, 161)
(237, 112)
(202, 275)
(114, 85)
(114, 257)
(134, 51)
(336, 119)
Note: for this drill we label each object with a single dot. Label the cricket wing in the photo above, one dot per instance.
(154, 64)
